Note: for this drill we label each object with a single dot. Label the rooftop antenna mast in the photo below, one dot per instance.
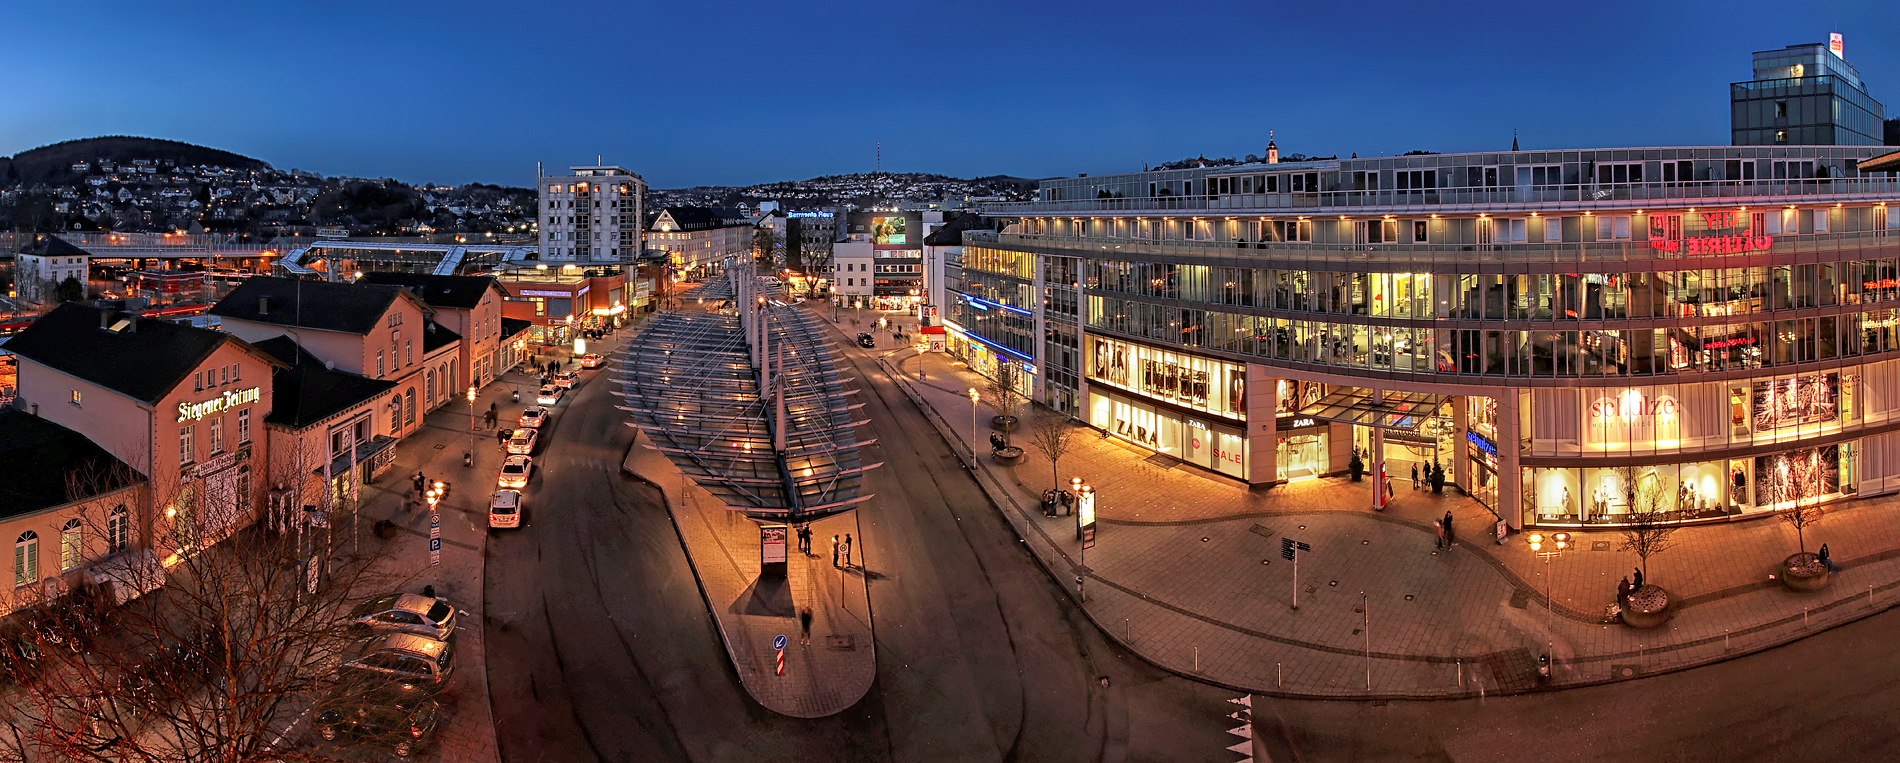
(880, 157)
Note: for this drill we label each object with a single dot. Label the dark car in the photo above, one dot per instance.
(866, 340)
(393, 714)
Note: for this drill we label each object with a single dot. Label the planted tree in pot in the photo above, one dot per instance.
(1438, 479)
(1356, 465)
(1804, 571)
(1647, 533)
(1004, 399)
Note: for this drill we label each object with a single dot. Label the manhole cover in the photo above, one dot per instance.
(1356, 631)
(842, 643)
(1408, 597)
(1599, 545)
(438, 446)
(1520, 598)
(1625, 671)
(1261, 530)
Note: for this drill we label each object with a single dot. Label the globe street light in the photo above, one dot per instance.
(1561, 541)
(973, 399)
(469, 460)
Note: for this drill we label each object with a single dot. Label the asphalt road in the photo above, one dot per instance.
(600, 646)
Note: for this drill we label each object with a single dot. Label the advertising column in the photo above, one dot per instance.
(1263, 437)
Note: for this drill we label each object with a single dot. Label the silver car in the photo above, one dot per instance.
(406, 613)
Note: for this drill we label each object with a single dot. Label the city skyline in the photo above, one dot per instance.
(434, 98)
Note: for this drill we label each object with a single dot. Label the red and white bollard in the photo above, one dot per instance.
(781, 662)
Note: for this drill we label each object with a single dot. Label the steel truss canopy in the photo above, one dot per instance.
(1402, 411)
(748, 402)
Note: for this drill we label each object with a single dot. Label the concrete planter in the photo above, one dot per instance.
(1009, 456)
(1804, 572)
(1646, 607)
(1004, 423)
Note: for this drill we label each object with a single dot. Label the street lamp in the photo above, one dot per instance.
(469, 460)
(973, 399)
(1084, 527)
(1561, 542)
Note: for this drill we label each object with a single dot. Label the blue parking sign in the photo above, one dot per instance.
(435, 544)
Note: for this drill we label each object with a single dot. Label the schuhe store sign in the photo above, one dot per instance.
(1634, 416)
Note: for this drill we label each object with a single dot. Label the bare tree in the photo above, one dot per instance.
(1051, 437)
(1650, 520)
(1003, 397)
(1802, 516)
(234, 636)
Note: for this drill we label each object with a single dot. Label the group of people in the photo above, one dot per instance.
(1053, 499)
(840, 549)
(1445, 538)
(1627, 586)
(997, 443)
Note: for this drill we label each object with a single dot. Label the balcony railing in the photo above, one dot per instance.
(1424, 256)
(1487, 199)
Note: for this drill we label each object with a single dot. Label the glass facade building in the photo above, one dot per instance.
(1566, 332)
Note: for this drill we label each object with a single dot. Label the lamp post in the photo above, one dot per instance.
(470, 458)
(973, 399)
(1561, 542)
(1084, 528)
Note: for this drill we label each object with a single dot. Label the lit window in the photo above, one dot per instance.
(75, 400)
(244, 426)
(26, 559)
(71, 551)
(184, 445)
(118, 529)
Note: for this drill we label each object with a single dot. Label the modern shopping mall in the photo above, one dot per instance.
(1706, 331)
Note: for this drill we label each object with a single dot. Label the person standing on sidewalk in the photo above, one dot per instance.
(1415, 478)
(1440, 543)
(1450, 539)
(804, 625)
(834, 552)
(1636, 580)
(847, 551)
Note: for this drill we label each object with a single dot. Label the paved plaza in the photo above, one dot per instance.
(1187, 572)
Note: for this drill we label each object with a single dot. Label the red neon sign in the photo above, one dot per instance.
(1714, 244)
(1721, 343)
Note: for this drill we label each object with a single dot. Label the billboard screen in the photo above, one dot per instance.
(887, 231)
(1834, 44)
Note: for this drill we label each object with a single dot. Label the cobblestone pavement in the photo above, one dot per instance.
(1187, 572)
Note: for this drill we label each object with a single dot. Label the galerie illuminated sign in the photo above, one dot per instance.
(1698, 245)
(232, 399)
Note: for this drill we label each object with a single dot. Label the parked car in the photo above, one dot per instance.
(407, 657)
(593, 360)
(406, 613)
(566, 379)
(515, 472)
(394, 714)
(533, 416)
(548, 395)
(865, 340)
(504, 509)
(523, 441)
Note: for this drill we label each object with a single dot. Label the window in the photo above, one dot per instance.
(395, 318)
(118, 530)
(1612, 227)
(184, 445)
(26, 559)
(379, 364)
(217, 435)
(235, 368)
(1781, 109)
(225, 376)
(1781, 136)
(408, 352)
(1548, 174)
(409, 406)
(75, 397)
(70, 549)
(395, 415)
(1420, 229)
(244, 427)
(1820, 222)
(1553, 229)
(198, 381)
(1620, 173)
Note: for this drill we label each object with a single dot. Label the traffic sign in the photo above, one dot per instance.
(435, 520)
(778, 642)
(435, 545)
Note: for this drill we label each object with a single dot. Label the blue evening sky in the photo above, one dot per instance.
(739, 92)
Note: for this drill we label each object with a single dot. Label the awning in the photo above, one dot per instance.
(1887, 162)
(1403, 411)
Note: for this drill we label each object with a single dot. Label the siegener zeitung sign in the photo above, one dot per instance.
(231, 399)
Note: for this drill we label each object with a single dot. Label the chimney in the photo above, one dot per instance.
(263, 305)
(105, 319)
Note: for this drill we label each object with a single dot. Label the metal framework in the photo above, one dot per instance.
(748, 402)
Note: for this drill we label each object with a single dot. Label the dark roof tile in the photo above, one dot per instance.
(345, 307)
(458, 292)
(143, 361)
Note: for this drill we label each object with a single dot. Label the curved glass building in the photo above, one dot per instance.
(1573, 335)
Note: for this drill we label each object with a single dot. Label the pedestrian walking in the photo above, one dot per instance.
(1636, 580)
(421, 483)
(1068, 503)
(804, 625)
(1414, 477)
(501, 436)
(1440, 543)
(804, 540)
(1825, 559)
(834, 552)
(1623, 590)
(847, 551)
(1450, 539)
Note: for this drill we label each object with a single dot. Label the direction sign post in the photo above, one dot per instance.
(778, 645)
(1290, 550)
(435, 539)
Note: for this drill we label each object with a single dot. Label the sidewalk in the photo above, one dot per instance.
(1187, 572)
(823, 678)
